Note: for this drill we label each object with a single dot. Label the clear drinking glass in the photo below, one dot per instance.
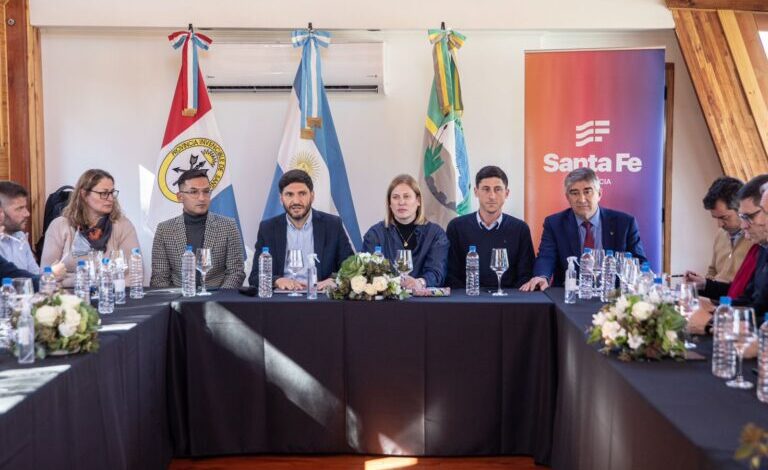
(118, 259)
(204, 264)
(499, 264)
(24, 291)
(404, 263)
(688, 303)
(295, 265)
(743, 332)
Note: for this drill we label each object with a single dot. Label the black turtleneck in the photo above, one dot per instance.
(195, 228)
(405, 231)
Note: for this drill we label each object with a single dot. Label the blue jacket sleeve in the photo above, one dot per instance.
(8, 269)
(436, 262)
(547, 258)
(634, 244)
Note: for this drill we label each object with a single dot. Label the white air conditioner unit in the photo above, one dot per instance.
(256, 67)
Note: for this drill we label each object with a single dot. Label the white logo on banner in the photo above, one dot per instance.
(591, 131)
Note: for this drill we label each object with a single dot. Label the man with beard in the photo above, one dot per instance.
(14, 244)
(301, 228)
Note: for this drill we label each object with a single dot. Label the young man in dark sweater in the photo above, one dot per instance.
(490, 228)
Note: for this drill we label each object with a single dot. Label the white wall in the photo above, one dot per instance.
(107, 94)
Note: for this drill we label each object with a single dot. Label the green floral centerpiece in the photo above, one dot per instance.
(638, 328)
(64, 324)
(364, 276)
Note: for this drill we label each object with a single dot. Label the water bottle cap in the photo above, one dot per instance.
(377, 249)
(105, 261)
(7, 281)
(265, 249)
(47, 270)
(645, 268)
(608, 252)
(472, 249)
(657, 280)
(587, 250)
(725, 300)
(136, 251)
(81, 263)
(646, 263)
(627, 255)
(189, 247)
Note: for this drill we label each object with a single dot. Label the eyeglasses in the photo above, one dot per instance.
(105, 194)
(749, 218)
(196, 192)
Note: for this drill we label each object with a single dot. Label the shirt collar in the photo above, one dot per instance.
(307, 225)
(494, 225)
(594, 220)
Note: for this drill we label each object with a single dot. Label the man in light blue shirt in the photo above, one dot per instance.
(14, 243)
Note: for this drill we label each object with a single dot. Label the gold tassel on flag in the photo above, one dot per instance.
(315, 122)
(189, 112)
(307, 133)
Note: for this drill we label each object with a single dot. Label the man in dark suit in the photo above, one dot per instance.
(584, 225)
(301, 228)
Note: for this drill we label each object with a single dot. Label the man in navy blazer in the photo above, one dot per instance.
(584, 224)
(301, 228)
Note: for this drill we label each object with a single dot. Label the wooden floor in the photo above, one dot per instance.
(354, 463)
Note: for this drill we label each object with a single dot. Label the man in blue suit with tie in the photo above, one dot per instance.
(584, 225)
(301, 228)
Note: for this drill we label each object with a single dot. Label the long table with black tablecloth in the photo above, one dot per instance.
(642, 415)
(98, 411)
(428, 376)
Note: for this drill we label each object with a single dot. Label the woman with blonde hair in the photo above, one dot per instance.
(92, 221)
(406, 228)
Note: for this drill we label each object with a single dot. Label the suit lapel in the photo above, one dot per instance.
(572, 232)
(318, 234)
(179, 239)
(608, 231)
(280, 234)
(210, 231)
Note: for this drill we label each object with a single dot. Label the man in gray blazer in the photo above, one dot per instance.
(201, 229)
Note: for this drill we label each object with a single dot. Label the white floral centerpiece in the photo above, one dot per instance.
(64, 324)
(364, 276)
(638, 328)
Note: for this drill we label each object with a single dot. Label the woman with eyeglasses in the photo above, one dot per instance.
(91, 222)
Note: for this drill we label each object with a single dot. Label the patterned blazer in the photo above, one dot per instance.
(221, 236)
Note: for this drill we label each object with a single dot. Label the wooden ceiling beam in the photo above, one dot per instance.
(738, 5)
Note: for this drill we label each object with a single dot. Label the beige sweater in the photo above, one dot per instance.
(726, 260)
(58, 243)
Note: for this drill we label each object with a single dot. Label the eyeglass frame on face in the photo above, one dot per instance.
(104, 195)
(749, 218)
(197, 192)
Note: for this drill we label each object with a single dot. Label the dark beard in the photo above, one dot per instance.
(303, 214)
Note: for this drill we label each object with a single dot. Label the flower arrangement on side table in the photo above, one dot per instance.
(364, 276)
(638, 328)
(64, 324)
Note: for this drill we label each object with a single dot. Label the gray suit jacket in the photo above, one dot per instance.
(221, 236)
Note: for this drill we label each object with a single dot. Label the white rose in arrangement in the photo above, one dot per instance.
(671, 335)
(618, 314)
(642, 310)
(67, 329)
(358, 283)
(612, 330)
(47, 315)
(654, 298)
(70, 301)
(380, 283)
(370, 290)
(599, 318)
(635, 341)
(72, 317)
(621, 304)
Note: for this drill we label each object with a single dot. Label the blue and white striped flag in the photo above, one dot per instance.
(310, 143)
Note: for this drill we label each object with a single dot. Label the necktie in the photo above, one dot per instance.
(589, 239)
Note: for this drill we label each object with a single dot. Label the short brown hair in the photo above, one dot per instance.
(75, 211)
(414, 185)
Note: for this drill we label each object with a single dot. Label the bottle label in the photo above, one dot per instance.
(570, 284)
(22, 333)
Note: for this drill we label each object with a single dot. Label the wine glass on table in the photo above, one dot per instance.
(499, 265)
(204, 264)
(404, 263)
(688, 303)
(742, 331)
(295, 266)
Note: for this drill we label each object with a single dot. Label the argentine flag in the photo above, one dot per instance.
(191, 141)
(309, 141)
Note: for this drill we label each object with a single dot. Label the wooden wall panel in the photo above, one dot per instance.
(718, 86)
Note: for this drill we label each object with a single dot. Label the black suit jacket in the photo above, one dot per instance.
(755, 295)
(560, 240)
(331, 244)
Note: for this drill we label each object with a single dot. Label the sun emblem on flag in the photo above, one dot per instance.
(198, 153)
(307, 162)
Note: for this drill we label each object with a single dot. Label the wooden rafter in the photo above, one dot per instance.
(739, 5)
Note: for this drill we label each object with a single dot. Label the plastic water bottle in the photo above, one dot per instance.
(106, 289)
(82, 282)
(608, 276)
(118, 281)
(94, 273)
(188, 281)
(377, 251)
(571, 281)
(265, 273)
(762, 362)
(645, 282)
(25, 335)
(312, 276)
(47, 281)
(7, 294)
(723, 352)
(626, 278)
(473, 271)
(586, 274)
(136, 274)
